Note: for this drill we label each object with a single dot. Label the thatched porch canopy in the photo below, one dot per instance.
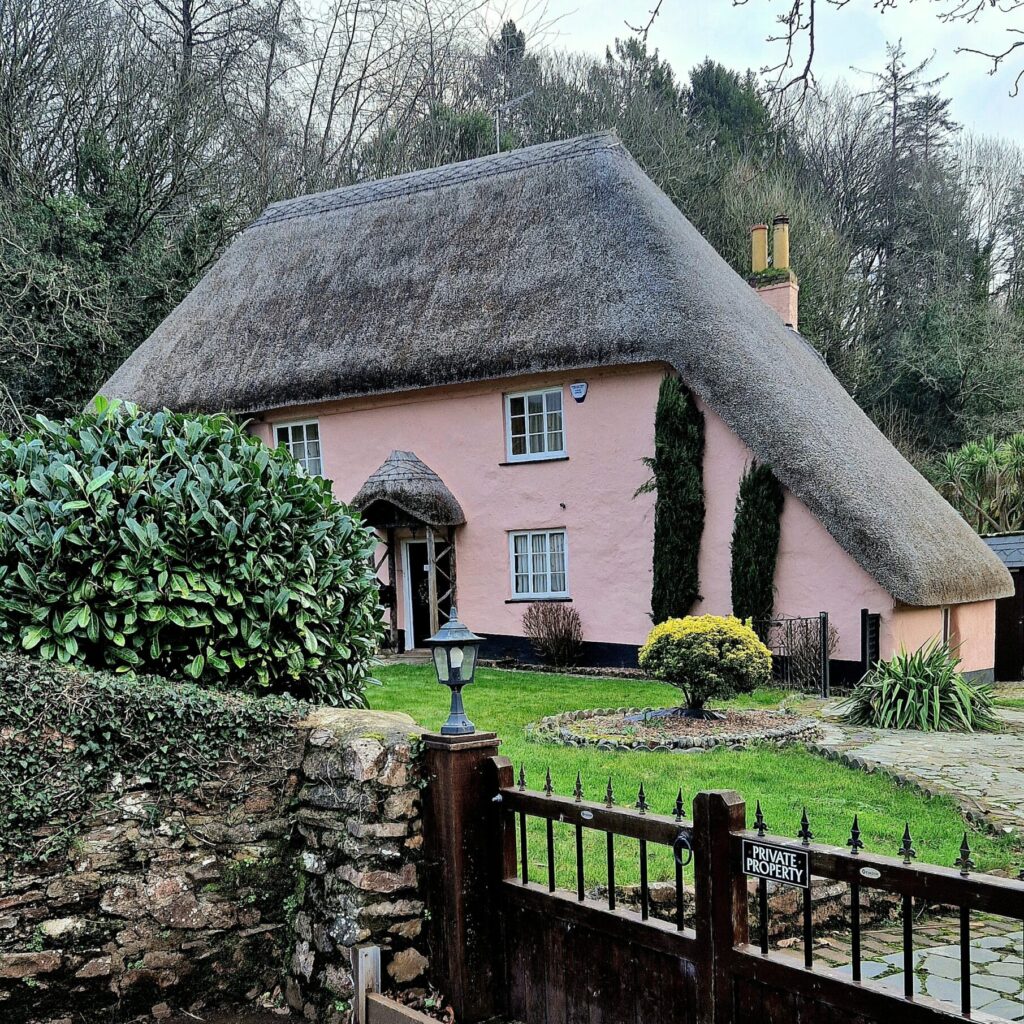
(557, 257)
(405, 491)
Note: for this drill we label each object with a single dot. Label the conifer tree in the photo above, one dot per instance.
(755, 543)
(679, 509)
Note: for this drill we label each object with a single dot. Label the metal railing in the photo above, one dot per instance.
(801, 647)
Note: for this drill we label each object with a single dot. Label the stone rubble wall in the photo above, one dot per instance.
(361, 847)
(251, 889)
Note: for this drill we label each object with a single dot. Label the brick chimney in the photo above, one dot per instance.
(776, 284)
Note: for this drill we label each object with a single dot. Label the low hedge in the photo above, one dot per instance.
(66, 733)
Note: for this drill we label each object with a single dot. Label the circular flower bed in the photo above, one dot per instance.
(636, 729)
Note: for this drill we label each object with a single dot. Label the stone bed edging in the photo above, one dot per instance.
(556, 729)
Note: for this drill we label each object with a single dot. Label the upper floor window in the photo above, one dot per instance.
(303, 443)
(533, 425)
(540, 563)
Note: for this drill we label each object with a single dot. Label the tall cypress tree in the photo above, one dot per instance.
(755, 543)
(679, 508)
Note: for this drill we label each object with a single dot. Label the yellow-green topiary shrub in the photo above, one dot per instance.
(707, 656)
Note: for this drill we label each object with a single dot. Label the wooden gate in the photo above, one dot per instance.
(540, 954)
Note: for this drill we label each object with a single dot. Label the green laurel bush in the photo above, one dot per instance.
(708, 657)
(184, 547)
(921, 690)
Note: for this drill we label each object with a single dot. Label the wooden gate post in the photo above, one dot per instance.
(462, 838)
(720, 900)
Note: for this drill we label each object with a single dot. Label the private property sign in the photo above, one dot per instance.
(780, 864)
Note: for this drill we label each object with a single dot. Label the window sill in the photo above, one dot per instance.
(539, 458)
(539, 600)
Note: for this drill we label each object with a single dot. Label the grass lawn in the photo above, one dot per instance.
(783, 779)
(1014, 703)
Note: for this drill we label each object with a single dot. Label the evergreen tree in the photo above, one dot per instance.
(755, 543)
(728, 109)
(679, 508)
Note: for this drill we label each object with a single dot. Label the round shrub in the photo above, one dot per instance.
(183, 546)
(707, 656)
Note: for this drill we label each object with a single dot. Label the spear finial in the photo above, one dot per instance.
(548, 788)
(964, 862)
(805, 835)
(759, 823)
(641, 800)
(907, 851)
(854, 842)
(577, 793)
(522, 778)
(679, 805)
(609, 794)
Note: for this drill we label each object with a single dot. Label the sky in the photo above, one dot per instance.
(855, 36)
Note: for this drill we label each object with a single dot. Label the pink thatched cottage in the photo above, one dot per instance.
(473, 353)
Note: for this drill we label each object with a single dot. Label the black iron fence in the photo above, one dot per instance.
(801, 647)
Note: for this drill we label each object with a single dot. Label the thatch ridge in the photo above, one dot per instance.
(406, 482)
(558, 257)
(432, 178)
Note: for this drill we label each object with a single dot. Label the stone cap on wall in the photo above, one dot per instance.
(333, 726)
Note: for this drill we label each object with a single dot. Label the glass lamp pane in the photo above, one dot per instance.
(469, 662)
(441, 664)
(455, 655)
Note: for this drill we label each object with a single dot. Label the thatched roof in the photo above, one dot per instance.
(411, 486)
(557, 257)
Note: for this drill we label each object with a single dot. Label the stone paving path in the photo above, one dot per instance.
(984, 772)
(997, 961)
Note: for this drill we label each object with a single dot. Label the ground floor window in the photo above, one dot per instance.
(539, 563)
(303, 443)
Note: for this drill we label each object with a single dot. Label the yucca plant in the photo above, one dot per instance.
(923, 690)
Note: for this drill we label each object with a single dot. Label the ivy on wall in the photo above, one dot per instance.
(67, 733)
(755, 543)
(677, 468)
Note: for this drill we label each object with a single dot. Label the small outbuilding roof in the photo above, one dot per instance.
(561, 257)
(409, 484)
(1008, 548)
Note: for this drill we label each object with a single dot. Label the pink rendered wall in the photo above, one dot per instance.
(813, 573)
(972, 626)
(460, 433)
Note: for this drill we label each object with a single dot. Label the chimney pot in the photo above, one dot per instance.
(782, 291)
(780, 243)
(759, 248)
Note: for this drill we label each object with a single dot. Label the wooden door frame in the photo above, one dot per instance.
(407, 622)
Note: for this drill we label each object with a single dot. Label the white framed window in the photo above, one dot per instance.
(534, 427)
(539, 560)
(303, 443)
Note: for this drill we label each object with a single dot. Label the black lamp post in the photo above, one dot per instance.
(454, 649)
